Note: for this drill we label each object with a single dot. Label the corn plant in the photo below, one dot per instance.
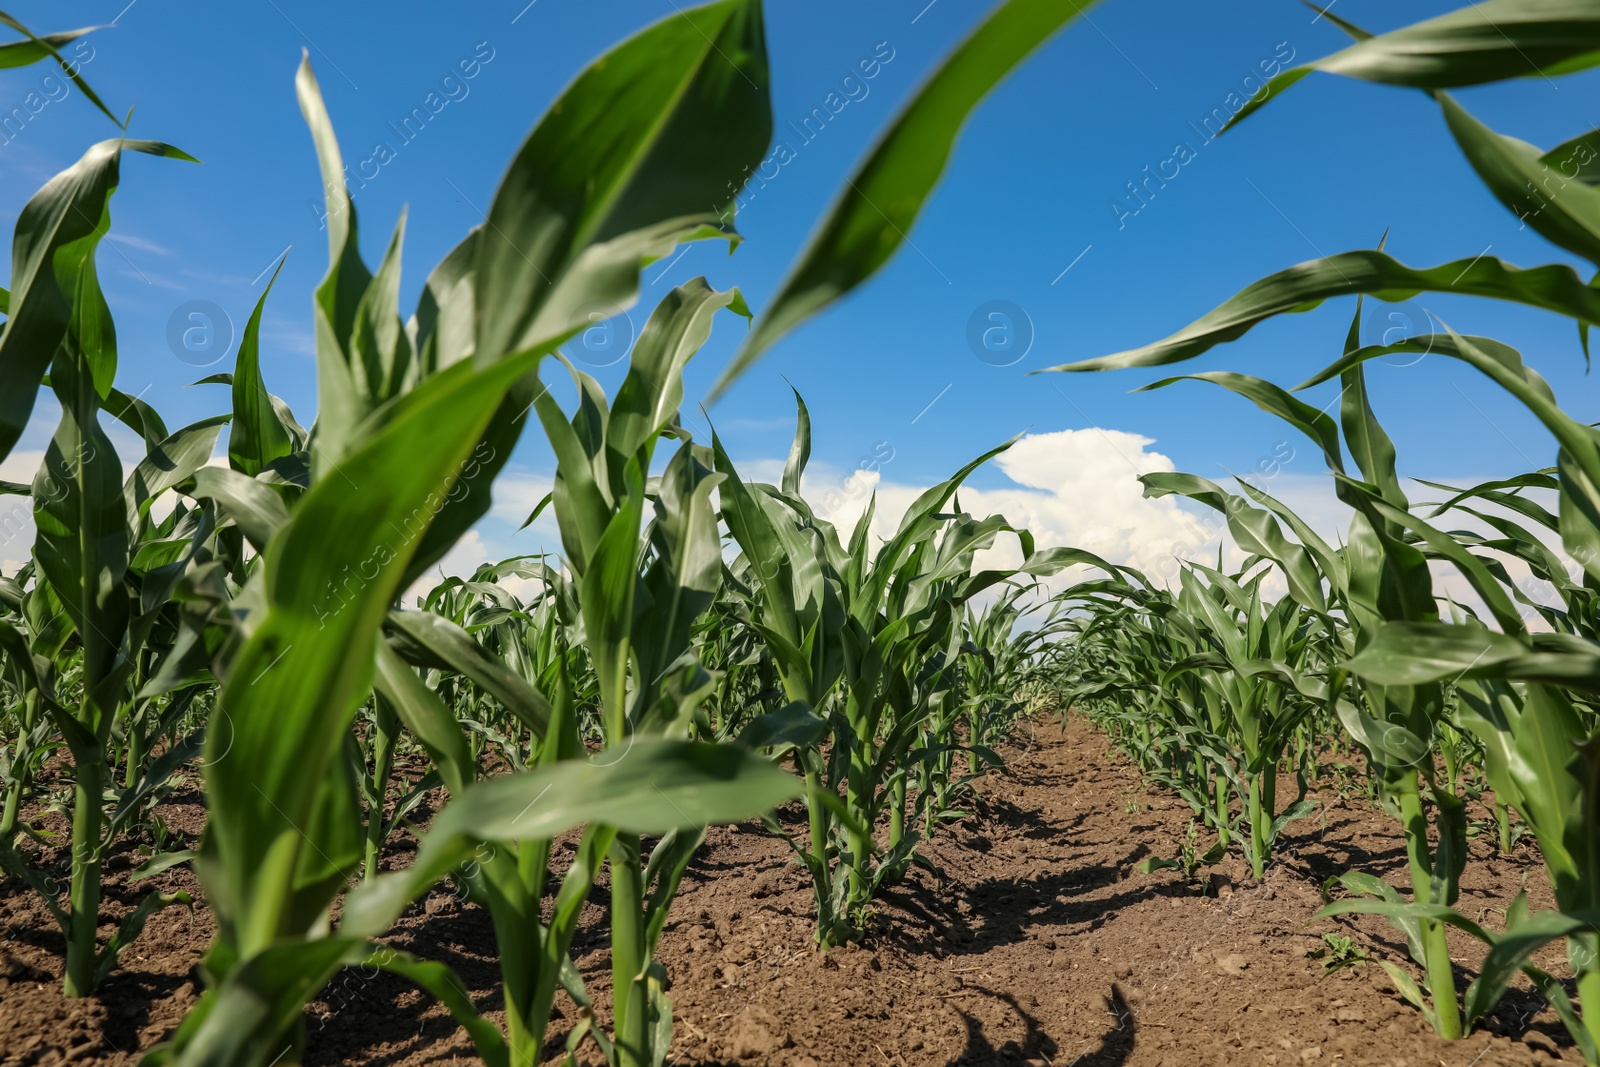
(1536, 735)
(747, 688)
(1381, 581)
(983, 700)
(1221, 701)
(1002, 646)
(638, 625)
(420, 420)
(641, 628)
(82, 613)
(1381, 575)
(1163, 713)
(104, 569)
(535, 639)
(866, 641)
(1190, 859)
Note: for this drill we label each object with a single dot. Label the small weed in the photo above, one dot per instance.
(1189, 859)
(1338, 951)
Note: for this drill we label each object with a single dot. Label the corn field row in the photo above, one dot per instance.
(706, 649)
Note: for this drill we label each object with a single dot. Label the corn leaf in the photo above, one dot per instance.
(1563, 211)
(34, 49)
(258, 435)
(63, 221)
(880, 201)
(1551, 288)
(1487, 41)
(653, 787)
(646, 148)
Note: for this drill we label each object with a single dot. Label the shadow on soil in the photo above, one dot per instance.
(1112, 1048)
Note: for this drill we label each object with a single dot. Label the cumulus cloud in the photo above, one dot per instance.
(468, 554)
(1075, 488)
(517, 493)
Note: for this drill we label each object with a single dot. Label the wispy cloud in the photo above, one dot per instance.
(141, 243)
(285, 338)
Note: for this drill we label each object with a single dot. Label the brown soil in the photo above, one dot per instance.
(1042, 945)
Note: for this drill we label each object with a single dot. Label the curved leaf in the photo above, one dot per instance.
(652, 141)
(880, 202)
(1487, 41)
(64, 220)
(258, 435)
(1552, 288)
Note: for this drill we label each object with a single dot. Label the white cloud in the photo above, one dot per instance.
(1076, 488)
(517, 493)
(16, 512)
(279, 337)
(140, 243)
(468, 554)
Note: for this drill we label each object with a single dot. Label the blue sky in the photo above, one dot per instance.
(1024, 214)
